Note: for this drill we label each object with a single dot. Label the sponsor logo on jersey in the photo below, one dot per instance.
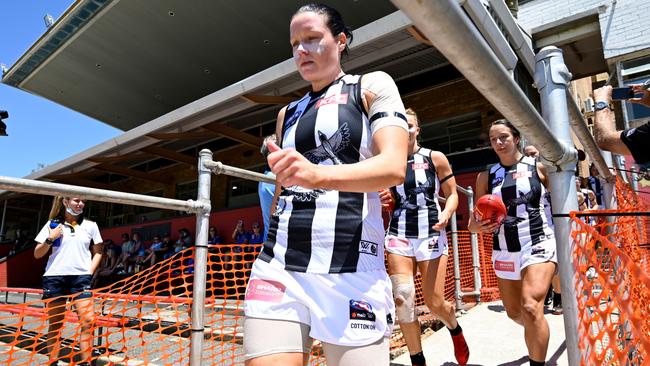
(368, 247)
(504, 266)
(433, 244)
(497, 181)
(526, 174)
(361, 310)
(398, 243)
(362, 326)
(416, 166)
(265, 290)
(537, 251)
(333, 99)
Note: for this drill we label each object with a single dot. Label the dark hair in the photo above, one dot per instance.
(334, 20)
(505, 122)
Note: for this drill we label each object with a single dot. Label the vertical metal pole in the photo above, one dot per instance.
(454, 245)
(551, 79)
(200, 259)
(608, 191)
(473, 238)
(2, 225)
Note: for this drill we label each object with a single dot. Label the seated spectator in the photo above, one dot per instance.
(184, 239)
(239, 235)
(157, 250)
(256, 237)
(213, 236)
(126, 249)
(168, 245)
(107, 267)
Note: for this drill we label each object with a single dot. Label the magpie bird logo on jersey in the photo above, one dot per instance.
(521, 199)
(406, 202)
(330, 147)
(302, 194)
(361, 310)
(497, 181)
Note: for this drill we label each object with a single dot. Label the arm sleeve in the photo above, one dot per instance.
(387, 108)
(97, 237)
(636, 140)
(42, 235)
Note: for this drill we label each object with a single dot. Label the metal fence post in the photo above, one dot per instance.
(551, 79)
(473, 238)
(454, 245)
(200, 258)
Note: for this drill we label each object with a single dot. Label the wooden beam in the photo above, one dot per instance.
(132, 173)
(235, 134)
(112, 159)
(75, 175)
(171, 155)
(415, 33)
(268, 99)
(195, 135)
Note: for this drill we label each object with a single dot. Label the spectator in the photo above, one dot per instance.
(213, 236)
(531, 151)
(127, 248)
(595, 185)
(266, 191)
(239, 235)
(632, 141)
(167, 245)
(256, 237)
(108, 266)
(184, 239)
(158, 250)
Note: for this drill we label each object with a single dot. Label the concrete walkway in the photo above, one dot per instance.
(493, 339)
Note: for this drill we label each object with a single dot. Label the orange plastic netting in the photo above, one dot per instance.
(613, 283)
(145, 318)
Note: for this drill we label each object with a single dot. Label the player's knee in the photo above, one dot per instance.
(404, 294)
(531, 309)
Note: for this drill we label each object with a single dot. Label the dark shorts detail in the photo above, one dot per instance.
(55, 286)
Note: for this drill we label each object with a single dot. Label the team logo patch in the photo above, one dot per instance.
(416, 166)
(333, 99)
(504, 266)
(526, 174)
(361, 310)
(265, 290)
(497, 181)
(389, 318)
(433, 244)
(368, 247)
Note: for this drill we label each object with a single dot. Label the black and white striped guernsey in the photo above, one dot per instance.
(327, 231)
(522, 192)
(416, 207)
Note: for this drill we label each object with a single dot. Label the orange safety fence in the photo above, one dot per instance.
(145, 318)
(613, 283)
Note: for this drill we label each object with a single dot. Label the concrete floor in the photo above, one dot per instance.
(493, 339)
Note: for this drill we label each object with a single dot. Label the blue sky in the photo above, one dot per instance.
(40, 131)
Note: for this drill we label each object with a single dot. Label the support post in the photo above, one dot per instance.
(473, 238)
(200, 258)
(454, 245)
(551, 79)
(2, 225)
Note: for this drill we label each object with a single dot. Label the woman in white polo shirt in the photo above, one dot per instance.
(76, 253)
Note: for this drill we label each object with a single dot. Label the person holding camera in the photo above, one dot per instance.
(76, 246)
(632, 141)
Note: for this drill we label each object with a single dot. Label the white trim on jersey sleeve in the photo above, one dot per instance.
(387, 100)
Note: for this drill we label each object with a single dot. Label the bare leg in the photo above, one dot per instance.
(535, 281)
(55, 315)
(86, 313)
(400, 265)
(510, 291)
(433, 288)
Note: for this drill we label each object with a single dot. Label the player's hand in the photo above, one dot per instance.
(55, 233)
(292, 168)
(387, 200)
(443, 220)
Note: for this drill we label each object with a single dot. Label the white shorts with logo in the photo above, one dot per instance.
(508, 265)
(346, 309)
(422, 249)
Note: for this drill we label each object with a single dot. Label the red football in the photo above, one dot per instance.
(490, 206)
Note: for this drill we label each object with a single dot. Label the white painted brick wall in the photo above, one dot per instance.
(624, 24)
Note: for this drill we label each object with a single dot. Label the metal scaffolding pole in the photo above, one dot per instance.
(2, 225)
(445, 24)
(551, 79)
(218, 167)
(200, 258)
(104, 195)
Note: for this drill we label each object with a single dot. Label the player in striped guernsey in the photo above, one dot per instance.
(524, 254)
(321, 272)
(417, 240)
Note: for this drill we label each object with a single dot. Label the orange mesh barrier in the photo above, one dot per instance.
(613, 284)
(145, 318)
(490, 287)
